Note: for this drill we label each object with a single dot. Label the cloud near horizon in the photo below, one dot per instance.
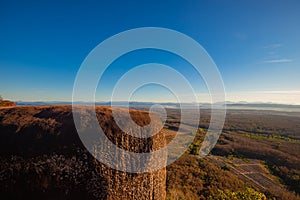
(278, 61)
(272, 96)
(273, 46)
(284, 96)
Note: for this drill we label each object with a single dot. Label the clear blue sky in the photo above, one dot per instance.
(255, 44)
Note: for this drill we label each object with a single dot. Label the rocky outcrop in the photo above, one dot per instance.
(35, 131)
(6, 103)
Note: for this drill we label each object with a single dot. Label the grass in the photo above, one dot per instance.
(270, 137)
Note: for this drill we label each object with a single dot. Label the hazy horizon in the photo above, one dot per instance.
(156, 102)
(284, 97)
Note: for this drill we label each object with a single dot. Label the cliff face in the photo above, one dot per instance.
(33, 133)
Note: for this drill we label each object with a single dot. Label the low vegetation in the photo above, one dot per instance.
(248, 194)
(193, 178)
(269, 136)
(6, 103)
(55, 176)
(277, 156)
(70, 172)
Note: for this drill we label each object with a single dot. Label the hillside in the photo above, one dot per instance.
(43, 157)
(257, 157)
(257, 149)
(6, 103)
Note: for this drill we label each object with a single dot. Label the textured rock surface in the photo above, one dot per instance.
(39, 130)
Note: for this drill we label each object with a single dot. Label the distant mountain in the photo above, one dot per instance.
(135, 104)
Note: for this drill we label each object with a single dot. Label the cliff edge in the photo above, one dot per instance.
(41, 146)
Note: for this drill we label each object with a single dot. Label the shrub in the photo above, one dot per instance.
(249, 194)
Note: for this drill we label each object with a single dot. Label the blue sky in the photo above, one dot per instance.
(255, 44)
